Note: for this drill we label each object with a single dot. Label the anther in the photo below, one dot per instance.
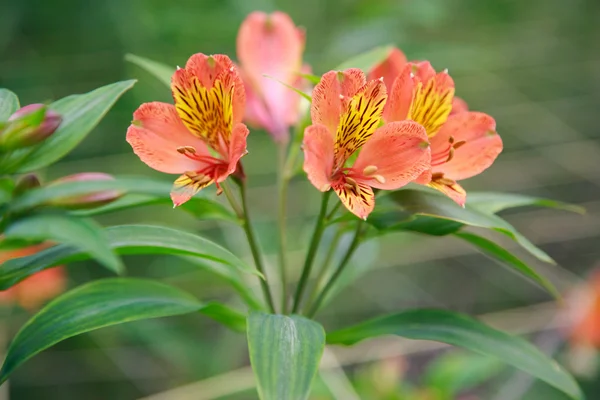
(379, 179)
(351, 181)
(451, 139)
(437, 175)
(459, 144)
(450, 154)
(369, 170)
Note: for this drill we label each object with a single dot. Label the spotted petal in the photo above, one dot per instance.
(400, 96)
(357, 197)
(187, 185)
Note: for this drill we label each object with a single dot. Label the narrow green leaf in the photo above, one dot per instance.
(130, 239)
(368, 59)
(83, 234)
(161, 71)
(494, 202)
(298, 91)
(285, 353)
(92, 306)
(461, 330)
(9, 103)
(498, 252)
(81, 113)
(430, 204)
(199, 207)
(225, 315)
(314, 79)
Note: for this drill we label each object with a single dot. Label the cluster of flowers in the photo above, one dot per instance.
(402, 119)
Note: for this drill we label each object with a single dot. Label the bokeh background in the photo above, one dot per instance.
(534, 65)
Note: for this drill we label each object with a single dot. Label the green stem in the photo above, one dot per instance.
(281, 217)
(244, 215)
(349, 253)
(312, 251)
(324, 267)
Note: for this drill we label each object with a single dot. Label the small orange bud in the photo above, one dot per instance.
(30, 125)
(89, 200)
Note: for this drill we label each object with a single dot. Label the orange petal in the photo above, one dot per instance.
(458, 106)
(318, 156)
(432, 102)
(425, 177)
(157, 133)
(187, 185)
(395, 155)
(237, 149)
(271, 45)
(400, 97)
(450, 189)
(358, 198)
(360, 119)
(332, 94)
(208, 69)
(389, 68)
(482, 145)
(41, 287)
(423, 70)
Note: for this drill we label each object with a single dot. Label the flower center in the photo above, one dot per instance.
(448, 153)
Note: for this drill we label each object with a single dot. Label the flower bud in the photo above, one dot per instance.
(29, 125)
(88, 200)
(26, 182)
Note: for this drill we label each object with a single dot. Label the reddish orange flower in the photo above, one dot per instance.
(346, 111)
(202, 136)
(389, 68)
(271, 45)
(32, 292)
(462, 145)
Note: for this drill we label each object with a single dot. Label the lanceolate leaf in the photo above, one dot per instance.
(461, 330)
(285, 354)
(225, 315)
(298, 91)
(493, 202)
(498, 252)
(368, 59)
(81, 113)
(161, 71)
(95, 305)
(402, 206)
(9, 103)
(139, 239)
(81, 233)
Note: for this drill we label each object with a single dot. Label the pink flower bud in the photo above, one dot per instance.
(88, 200)
(29, 125)
(26, 182)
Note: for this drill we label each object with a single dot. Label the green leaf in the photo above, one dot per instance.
(461, 330)
(92, 306)
(128, 239)
(298, 91)
(83, 234)
(398, 206)
(368, 59)
(201, 208)
(314, 79)
(457, 371)
(225, 315)
(9, 103)
(494, 202)
(498, 252)
(161, 71)
(285, 353)
(81, 113)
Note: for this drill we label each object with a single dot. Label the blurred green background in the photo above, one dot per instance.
(534, 65)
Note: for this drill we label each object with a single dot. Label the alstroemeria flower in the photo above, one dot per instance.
(202, 136)
(39, 287)
(462, 145)
(271, 45)
(346, 111)
(389, 68)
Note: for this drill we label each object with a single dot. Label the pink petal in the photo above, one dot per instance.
(400, 97)
(332, 94)
(423, 70)
(156, 134)
(237, 149)
(458, 106)
(395, 155)
(358, 198)
(482, 145)
(389, 68)
(318, 156)
(271, 45)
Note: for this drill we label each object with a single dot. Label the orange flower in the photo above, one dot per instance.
(463, 144)
(202, 136)
(271, 45)
(346, 111)
(585, 313)
(32, 292)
